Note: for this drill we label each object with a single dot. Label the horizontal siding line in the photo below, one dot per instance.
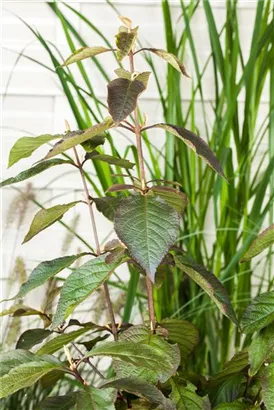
(247, 4)
(48, 93)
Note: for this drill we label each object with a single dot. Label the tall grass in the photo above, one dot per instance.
(239, 209)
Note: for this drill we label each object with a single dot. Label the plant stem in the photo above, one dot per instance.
(151, 304)
(98, 251)
(88, 361)
(138, 134)
(143, 184)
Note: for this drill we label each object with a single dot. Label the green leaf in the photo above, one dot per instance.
(122, 97)
(89, 344)
(58, 403)
(25, 146)
(259, 313)
(209, 283)
(169, 58)
(61, 340)
(80, 284)
(44, 271)
(138, 354)
(74, 138)
(154, 231)
(197, 144)
(263, 241)
(109, 159)
(235, 366)
(176, 199)
(21, 369)
(125, 40)
(94, 142)
(47, 217)
(143, 77)
(95, 399)
(83, 53)
(261, 348)
(31, 172)
(32, 337)
(143, 389)
(141, 334)
(183, 333)
(107, 206)
(235, 405)
(229, 390)
(185, 397)
(22, 310)
(267, 381)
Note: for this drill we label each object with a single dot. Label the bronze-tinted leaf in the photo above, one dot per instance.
(122, 97)
(169, 58)
(125, 40)
(209, 283)
(197, 144)
(83, 53)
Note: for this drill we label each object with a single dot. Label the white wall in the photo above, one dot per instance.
(34, 103)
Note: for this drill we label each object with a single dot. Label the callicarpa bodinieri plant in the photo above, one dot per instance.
(149, 360)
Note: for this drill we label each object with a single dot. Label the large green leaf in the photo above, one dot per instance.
(267, 381)
(109, 159)
(209, 283)
(83, 53)
(125, 40)
(44, 271)
(95, 399)
(31, 172)
(169, 58)
(25, 146)
(141, 334)
(59, 341)
(149, 227)
(235, 366)
(229, 390)
(122, 97)
(21, 369)
(138, 354)
(183, 333)
(74, 138)
(176, 199)
(46, 217)
(259, 313)
(184, 396)
(107, 205)
(80, 284)
(263, 241)
(197, 144)
(142, 388)
(236, 405)
(261, 348)
(32, 337)
(58, 402)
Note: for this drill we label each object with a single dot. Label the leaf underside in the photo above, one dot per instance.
(122, 97)
(263, 241)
